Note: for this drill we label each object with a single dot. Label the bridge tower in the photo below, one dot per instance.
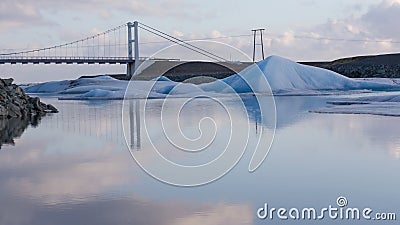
(133, 63)
(261, 43)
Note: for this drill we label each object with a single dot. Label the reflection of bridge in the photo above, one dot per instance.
(96, 120)
(119, 45)
(103, 120)
(100, 119)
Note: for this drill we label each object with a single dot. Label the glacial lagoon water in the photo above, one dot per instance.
(75, 167)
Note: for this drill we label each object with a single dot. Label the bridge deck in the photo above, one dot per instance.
(67, 60)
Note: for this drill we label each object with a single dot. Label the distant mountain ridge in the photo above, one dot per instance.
(386, 66)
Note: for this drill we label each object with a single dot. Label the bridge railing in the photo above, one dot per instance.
(65, 57)
(20, 59)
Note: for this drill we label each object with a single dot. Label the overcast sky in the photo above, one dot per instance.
(300, 30)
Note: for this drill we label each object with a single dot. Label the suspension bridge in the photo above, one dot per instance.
(119, 45)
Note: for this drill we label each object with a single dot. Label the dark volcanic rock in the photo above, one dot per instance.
(14, 103)
(385, 66)
(51, 108)
(8, 82)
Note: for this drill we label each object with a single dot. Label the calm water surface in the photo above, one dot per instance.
(75, 168)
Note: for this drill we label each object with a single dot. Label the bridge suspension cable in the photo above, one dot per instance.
(112, 46)
(181, 42)
(107, 44)
(200, 39)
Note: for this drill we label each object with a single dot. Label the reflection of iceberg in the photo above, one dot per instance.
(289, 110)
(384, 104)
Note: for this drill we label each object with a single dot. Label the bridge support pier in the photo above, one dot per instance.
(130, 70)
(133, 63)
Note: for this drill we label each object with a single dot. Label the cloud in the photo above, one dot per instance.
(369, 33)
(382, 19)
(56, 182)
(325, 41)
(18, 13)
(91, 171)
(219, 215)
(287, 39)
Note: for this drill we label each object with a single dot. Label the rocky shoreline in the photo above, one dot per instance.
(14, 103)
